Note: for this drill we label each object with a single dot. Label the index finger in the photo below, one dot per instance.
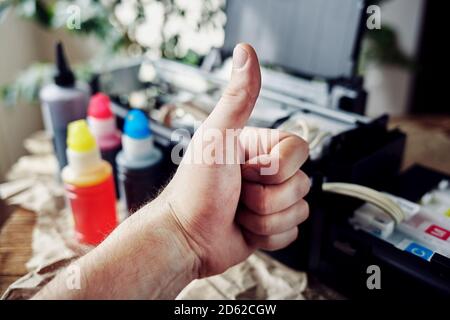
(285, 157)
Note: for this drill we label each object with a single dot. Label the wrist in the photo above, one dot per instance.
(179, 241)
(147, 256)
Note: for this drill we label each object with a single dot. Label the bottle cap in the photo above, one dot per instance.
(100, 107)
(136, 125)
(79, 137)
(64, 76)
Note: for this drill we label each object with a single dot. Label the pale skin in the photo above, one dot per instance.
(208, 218)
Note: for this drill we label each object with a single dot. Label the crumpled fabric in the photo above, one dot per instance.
(33, 184)
(28, 285)
(259, 277)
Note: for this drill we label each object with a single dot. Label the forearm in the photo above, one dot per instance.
(146, 257)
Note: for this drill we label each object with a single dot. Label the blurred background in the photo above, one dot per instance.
(398, 61)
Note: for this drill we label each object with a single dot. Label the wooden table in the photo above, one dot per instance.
(428, 144)
(15, 246)
(428, 141)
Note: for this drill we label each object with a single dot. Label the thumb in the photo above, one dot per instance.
(239, 97)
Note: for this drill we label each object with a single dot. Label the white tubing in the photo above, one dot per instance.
(370, 195)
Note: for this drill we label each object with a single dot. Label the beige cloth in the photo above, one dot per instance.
(259, 277)
(33, 184)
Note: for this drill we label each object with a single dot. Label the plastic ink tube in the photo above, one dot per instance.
(139, 164)
(103, 126)
(62, 102)
(89, 185)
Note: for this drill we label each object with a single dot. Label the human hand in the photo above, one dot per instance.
(227, 209)
(212, 215)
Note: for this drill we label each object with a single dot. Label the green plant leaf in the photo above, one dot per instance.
(5, 7)
(381, 46)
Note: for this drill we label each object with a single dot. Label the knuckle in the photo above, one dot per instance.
(236, 95)
(294, 236)
(291, 239)
(281, 175)
(263, 200)
(303, 183)
(305, 210)
(301, 212)
(303, 146)
(264, 225)
(299, 145)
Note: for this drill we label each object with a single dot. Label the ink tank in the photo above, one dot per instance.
(63, 101)
(139, 164)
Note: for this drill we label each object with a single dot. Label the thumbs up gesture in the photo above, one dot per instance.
(238, 189)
